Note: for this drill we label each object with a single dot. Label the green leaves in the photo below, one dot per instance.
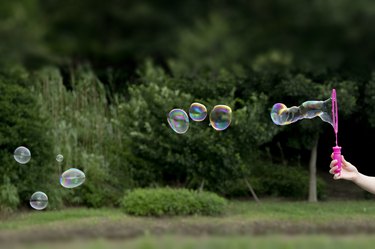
(283, 181)
(202, 154)
(86, 131)
(9, 199)
(23, 122)
(171, 202)
(370, 100)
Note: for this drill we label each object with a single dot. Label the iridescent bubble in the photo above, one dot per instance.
(276, 113)
(39, 200)
(178, 120)
(22, 155)
(197, 112)
(220, 117)
(72, 178)
(282, 115)
(59, 158)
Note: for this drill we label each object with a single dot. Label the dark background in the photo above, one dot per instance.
(82, 73)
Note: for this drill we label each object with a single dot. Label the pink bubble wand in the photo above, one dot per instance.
(335, 120)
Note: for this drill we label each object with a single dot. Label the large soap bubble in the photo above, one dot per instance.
(39, 200)
(22, 155)
(327, 110)
(220, 117)
(178, 120)
(72, 178)
(282, 115)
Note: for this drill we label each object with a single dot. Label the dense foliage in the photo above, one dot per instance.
(95, 82)
(279, 181)
(168, 201)
(23, 124)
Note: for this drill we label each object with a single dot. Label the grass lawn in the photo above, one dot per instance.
(183, 242)
(273, 224)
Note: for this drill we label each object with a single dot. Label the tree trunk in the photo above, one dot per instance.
(252, 191)
(313, 196)
(201, 186)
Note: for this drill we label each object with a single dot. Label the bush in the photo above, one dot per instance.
(281, 181)
(284, 181)
(85, 129)
(168, 201)
(9, 199)
(23, 122)
(157, 155)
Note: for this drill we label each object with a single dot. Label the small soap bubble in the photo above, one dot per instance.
(72, 178)
(59, 158)
(178, 120)
(22, 155)
(39, 200)
(220, 117)
(197, 112)
(282, 115)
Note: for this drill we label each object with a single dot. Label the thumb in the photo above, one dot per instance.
(344, 162)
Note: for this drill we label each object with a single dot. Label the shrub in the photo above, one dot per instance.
(281, 181)
(86, 131)
(168, 201)
(9, 199)
(157, 155)
(23, 122)
(284, 181)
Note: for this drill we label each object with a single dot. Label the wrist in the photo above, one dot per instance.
(357, 177)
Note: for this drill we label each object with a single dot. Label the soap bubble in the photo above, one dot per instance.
(178, 120)
(22, 155)
(59, 158)
(282, 115)
(39, 200)
(197, 112)
(220, 117)
(72, 178)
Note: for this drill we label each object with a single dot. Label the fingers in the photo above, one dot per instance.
(333, 163)
(332, 155)
(333, 169)
(337, 176)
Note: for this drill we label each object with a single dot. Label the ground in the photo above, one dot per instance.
(335, 222)
(272, 224)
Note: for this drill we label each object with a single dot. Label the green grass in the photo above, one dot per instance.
(33, 218)
(314, 212)
(322, 212)
(263, 242)
(273, 224)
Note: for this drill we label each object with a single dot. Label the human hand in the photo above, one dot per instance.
(348, 171)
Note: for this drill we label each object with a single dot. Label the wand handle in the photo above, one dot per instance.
(337, 156)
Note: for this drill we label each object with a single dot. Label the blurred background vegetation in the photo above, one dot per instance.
(94, 81)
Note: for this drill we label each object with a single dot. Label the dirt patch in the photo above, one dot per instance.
(132, 228)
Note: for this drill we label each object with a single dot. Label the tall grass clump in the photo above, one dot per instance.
(86, 131)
